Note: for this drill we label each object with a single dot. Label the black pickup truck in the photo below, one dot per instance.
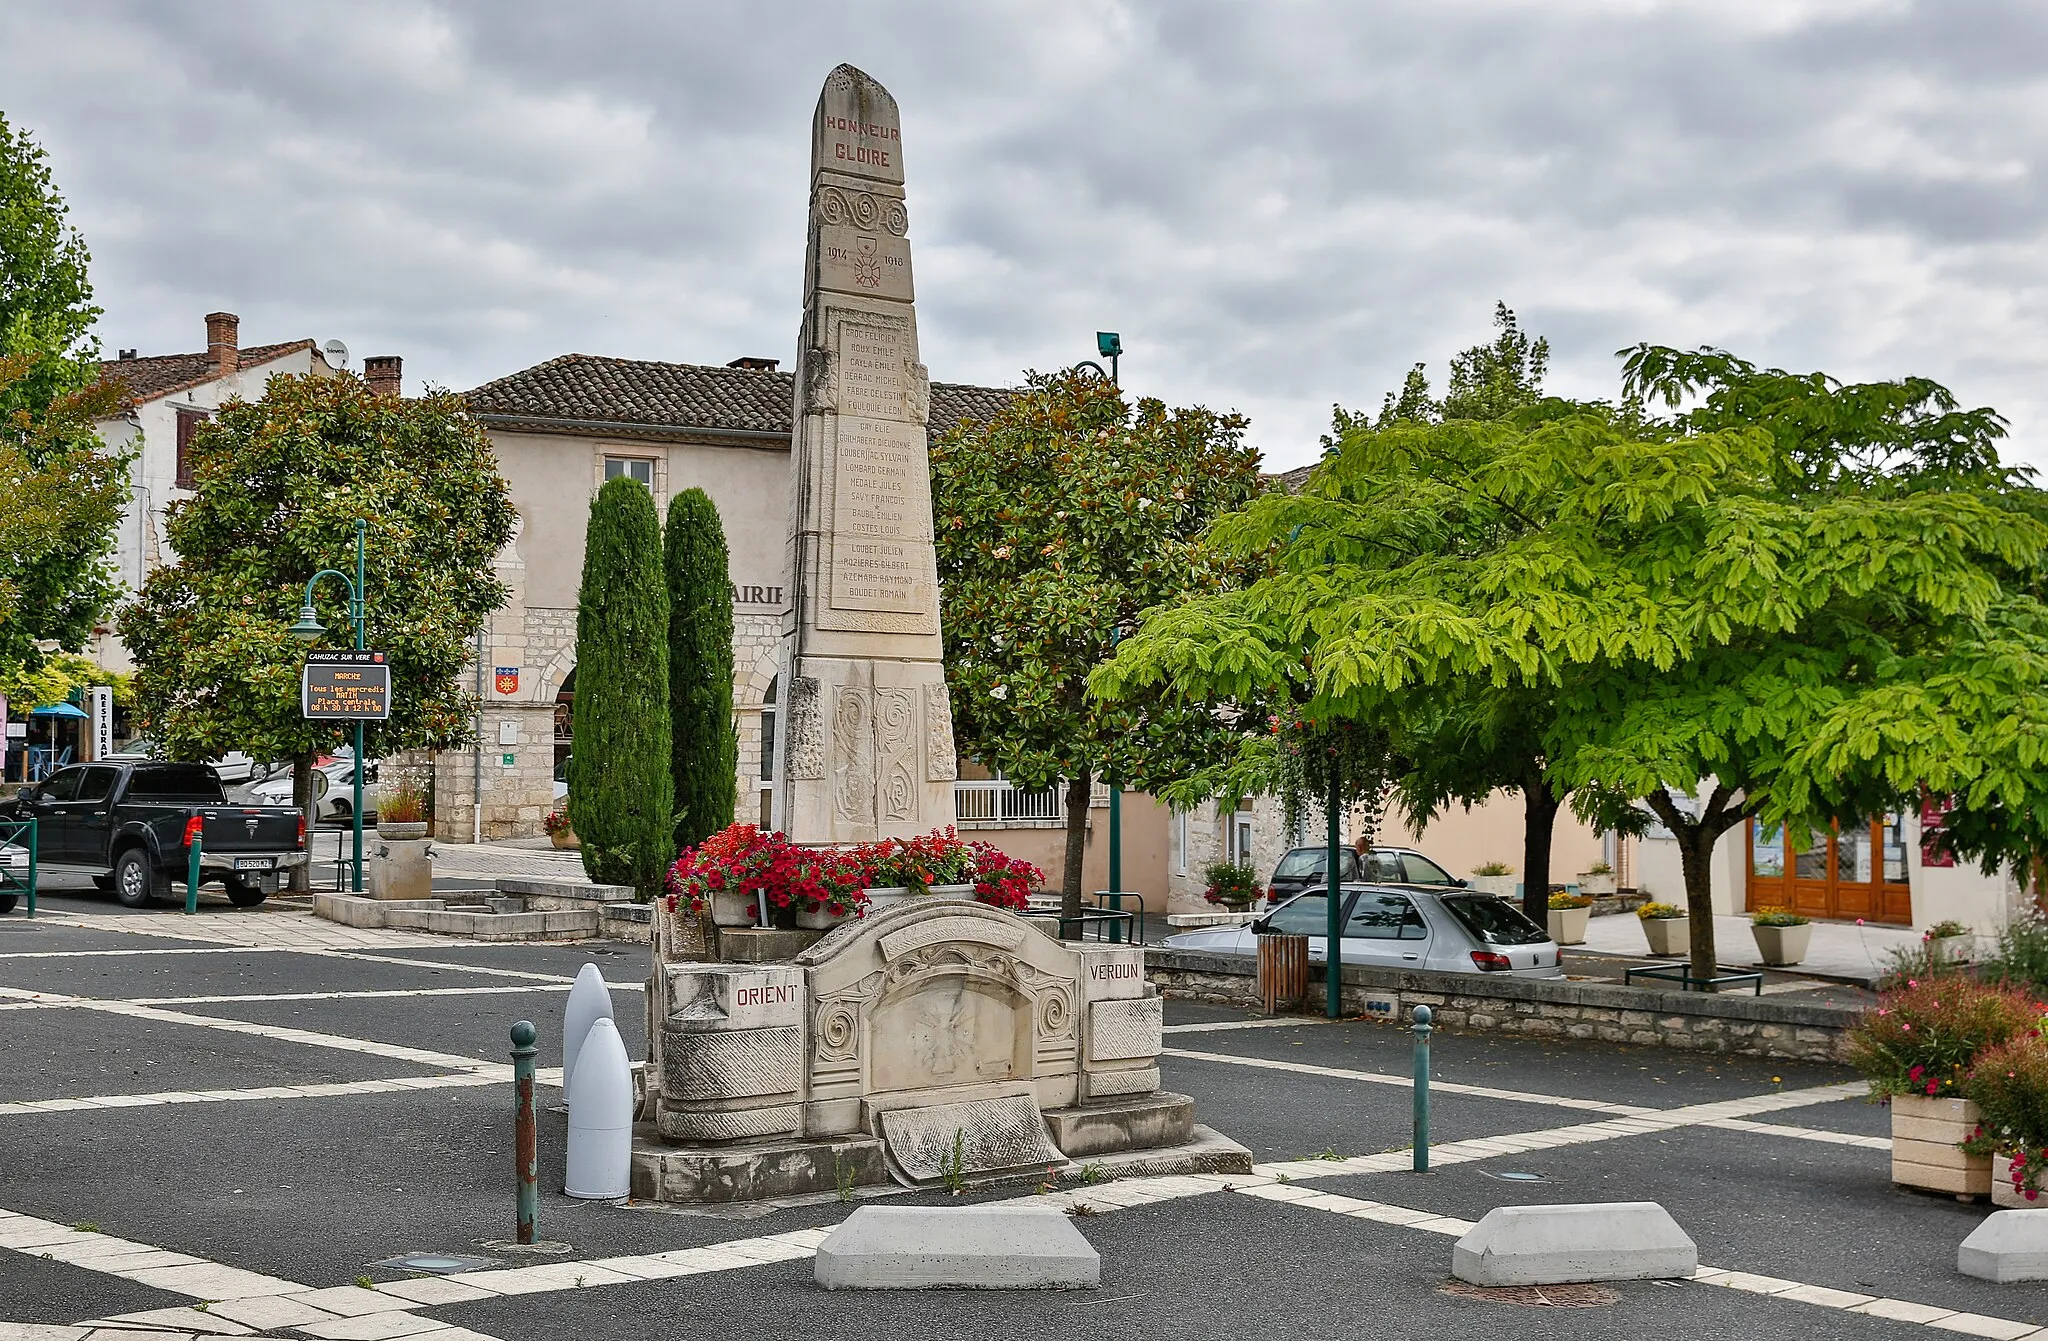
(128, 825)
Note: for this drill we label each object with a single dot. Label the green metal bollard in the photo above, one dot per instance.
(32, 867)
(192, 877)
(1421, 1028)
(525, 1142)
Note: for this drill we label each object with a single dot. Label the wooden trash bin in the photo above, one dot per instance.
(1283, 970)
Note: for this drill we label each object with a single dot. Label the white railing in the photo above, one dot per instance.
(998, 802)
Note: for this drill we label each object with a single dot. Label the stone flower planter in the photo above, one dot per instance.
(565, 839)
(400, 863)
(392, 831)
(1925, 1133)
(1950, 949)
(886, 896)
(730, 909)
(1780, 946)
(821, 918)
(2003, 1193)
(1568, 925)
(965, 891)
(1598, 884)
(1500, 886)
(1668, 935)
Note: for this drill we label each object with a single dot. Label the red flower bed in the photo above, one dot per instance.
(744, 860)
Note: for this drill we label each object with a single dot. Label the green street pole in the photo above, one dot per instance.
(32, 867)
(1333, 943)
(1421, 1028)
(360, 613)
(192, 877)
(1116, 859)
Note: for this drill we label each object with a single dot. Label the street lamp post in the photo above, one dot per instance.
(1110, 345)
(309, 628)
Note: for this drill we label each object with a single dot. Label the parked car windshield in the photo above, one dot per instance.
(176, 782)
(1493, 921)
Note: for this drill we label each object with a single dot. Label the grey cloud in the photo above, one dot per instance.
(1279, 205)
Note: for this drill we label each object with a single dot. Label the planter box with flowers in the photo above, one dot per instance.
(1232, 885)
(2008, 1084)
(556, 822)
(1494, 877)
(1666, 927)
(1597, 880)
(1920, 1047)
(1782, 936)
(1948, 942)
(1569, 914)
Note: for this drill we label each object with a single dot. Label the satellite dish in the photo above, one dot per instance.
(336, 354)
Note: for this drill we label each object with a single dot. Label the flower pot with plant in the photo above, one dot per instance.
(1667, 928)
(559, 833)
(401, 862)
(1494, 877)
(1569, 914)
(1232, 885)
(1917, 1047)
(402, 813)
(1782, 936)
(1948, 942)
(1003, 881)
(730, 875)
(829, 886)
(934, 864)
(2009, 1085)
(1597, 880)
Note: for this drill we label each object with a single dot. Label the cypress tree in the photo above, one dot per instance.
(704, 752)
(620, 799)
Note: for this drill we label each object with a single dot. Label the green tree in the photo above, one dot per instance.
(1686, 616)
(46, 307)
(1059, 522)
(704, 749)
(280, 484)
(621, 795)
(63, 496)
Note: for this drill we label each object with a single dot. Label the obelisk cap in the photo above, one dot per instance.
(856, 131)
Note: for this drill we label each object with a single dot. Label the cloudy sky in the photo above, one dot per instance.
(1279, 205)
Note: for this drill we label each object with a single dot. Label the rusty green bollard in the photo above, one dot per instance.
(525, 1142)
(192, 872)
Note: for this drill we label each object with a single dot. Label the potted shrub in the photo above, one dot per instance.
(1597, 880)
(1667, 928)
(1781, 935)
(402, 813)
(1494, 877)
(1232, 885)
(1915, 1047)
(1569, 914)
(559, 833)
(1948, 942)
(2009, 1085)
(829, 887)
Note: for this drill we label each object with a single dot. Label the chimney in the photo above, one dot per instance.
(127, 354)
(382, 372)
(752, 364)
(221, 332)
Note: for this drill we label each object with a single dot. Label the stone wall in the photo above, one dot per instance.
(1538, 1008)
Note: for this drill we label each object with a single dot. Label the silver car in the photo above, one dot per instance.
(1448, 930)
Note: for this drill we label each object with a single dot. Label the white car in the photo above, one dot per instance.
(333, 788)
(1450, 930)
(14, 866)
(232, 768)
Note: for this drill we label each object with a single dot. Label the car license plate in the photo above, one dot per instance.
(253, 863)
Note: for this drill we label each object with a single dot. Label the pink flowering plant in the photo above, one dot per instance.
(2009, 1085)
(1922, 1038)
(1003, 881)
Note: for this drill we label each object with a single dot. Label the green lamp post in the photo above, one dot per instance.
(308, 629)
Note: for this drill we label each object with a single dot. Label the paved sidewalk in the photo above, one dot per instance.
(1839, 950)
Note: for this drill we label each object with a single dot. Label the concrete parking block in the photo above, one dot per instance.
(2008, 1246)
(1003, 1247)
(1558, 1245)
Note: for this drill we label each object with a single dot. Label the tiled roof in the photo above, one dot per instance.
(1292, 480)
(153, 378)
(588, 389)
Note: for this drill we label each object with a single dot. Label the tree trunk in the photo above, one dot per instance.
(1078, 790)
(306, 802)
(1539, 818)
(1696, 840)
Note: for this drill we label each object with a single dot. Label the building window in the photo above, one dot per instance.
(1180, 842)
(188, 421)
(768, 733)
(632, 467)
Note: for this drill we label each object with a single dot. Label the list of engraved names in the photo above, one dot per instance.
(881, 516)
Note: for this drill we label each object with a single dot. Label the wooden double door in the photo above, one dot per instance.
(1842, 873)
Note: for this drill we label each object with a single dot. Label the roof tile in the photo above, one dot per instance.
(164, 374)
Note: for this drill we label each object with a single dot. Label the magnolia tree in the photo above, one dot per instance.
(280, 485)
(1705, 598)
(1059, 522)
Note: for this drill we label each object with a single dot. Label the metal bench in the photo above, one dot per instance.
(1682, 975)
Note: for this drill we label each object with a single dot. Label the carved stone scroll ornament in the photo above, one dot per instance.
(941, 758)
(853, 755)
(805, 748)
(895, 751)
(861, 209)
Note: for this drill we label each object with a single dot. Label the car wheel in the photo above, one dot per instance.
(135, 884)
(7, 902)
(245, 895)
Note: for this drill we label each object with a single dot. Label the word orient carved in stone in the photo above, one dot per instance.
(862, 1056)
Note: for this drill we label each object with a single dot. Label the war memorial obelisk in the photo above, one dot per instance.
(869, 747)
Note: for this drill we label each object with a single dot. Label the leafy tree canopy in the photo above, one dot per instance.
(1058, 523)
(46, 307)
(281, 483)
